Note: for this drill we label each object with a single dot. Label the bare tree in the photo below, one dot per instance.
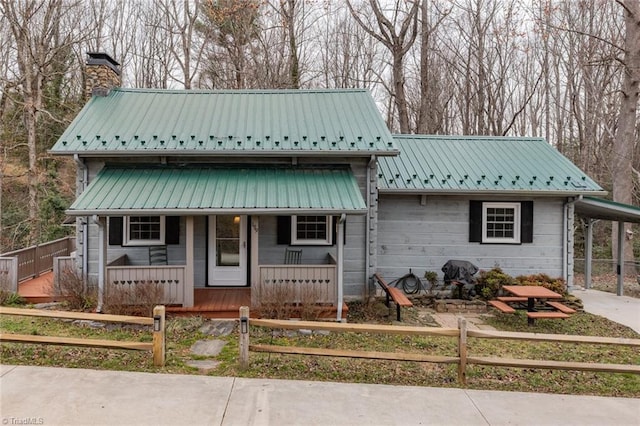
(626, 135)
(35, 27)
(397, 40)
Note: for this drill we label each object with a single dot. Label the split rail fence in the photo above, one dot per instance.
(157, 321)
(462, 359)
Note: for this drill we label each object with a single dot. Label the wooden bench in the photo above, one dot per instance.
(395, 294)
(501, 306)
(511, 299)
(561, 307)
(547, 314)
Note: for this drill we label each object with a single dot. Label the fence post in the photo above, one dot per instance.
(244, 337)
(462, 351)
(158, 335)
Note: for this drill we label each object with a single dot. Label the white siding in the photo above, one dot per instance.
(424, 237)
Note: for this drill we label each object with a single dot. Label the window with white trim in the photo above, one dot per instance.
(144, 230)
(311, 230)
(501, 223)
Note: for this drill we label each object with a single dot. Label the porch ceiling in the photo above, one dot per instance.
(196, 190)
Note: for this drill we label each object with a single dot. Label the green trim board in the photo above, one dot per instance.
(481, 164)
(141, 122)
(195, 190)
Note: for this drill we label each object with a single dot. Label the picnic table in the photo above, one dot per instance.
(532, 293)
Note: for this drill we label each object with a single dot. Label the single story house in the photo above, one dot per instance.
(493, 201)
(254, 189)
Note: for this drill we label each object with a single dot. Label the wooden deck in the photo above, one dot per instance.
(208, 302)
(215, 303)
(38, 290)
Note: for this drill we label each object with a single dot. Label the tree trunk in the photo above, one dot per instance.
(625, 136)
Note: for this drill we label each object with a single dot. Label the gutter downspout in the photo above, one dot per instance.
(368, 248)
(565, 241)
(340, 271)
(85, 230)
(101, 260)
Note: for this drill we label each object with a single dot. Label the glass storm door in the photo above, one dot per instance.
(227, 250)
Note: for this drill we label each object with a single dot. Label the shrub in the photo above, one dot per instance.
(77, 294)
(7, 296)
(554, 284)
(489, 283)
(279, 302)
(133, 299)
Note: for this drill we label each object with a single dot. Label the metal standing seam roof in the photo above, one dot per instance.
(206, 190)
(599, 208)
(476, 164)
(228, 122)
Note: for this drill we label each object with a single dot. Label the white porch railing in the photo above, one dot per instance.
(171, 278)
(320, 281)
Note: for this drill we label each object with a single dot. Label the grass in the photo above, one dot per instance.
(183, 332)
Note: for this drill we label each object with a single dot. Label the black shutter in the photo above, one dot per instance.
(284, 230)
(475, 221)
(115, 231)
(526, 222)
(172, 230)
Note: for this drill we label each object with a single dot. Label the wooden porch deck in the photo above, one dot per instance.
(215, 303)
(38, 290)
(222, 303)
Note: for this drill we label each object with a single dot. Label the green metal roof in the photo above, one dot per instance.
(599, 208)
(228, 122)
(476, 164)
(205, 190)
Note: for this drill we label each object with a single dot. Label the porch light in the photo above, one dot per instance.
(236, 220)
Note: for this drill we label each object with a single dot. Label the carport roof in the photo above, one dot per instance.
(599, 208)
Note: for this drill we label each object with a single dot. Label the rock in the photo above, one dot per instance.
(207, 347)
(88, 323)
(203, 365)
(218, 327)
(440, 306)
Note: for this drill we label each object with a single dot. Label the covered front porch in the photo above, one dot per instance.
(222, 251)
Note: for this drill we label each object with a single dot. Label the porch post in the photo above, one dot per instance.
(189, 270)
(340, 266)
(102, 258)
(254, 268)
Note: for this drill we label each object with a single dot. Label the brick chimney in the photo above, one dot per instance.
(102, 74)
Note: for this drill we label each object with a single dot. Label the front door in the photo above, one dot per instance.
(227, 250)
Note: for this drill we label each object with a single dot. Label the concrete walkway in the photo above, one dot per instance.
(621, 309)
(61, 396)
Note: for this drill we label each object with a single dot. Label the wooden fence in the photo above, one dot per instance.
(30, 262)
(462, 359)
(157, 321)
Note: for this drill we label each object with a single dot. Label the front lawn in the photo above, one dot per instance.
(183, 332)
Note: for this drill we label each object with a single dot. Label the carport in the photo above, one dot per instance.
(593, 209)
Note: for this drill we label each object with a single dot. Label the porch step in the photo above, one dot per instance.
(178, 311)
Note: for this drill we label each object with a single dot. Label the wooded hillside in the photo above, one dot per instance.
(566, 70)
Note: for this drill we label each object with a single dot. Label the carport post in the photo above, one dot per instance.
(588, 253)
(620, 268)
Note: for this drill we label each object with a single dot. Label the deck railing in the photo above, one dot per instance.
(171, 278)
(301, 282)
(30, 262)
